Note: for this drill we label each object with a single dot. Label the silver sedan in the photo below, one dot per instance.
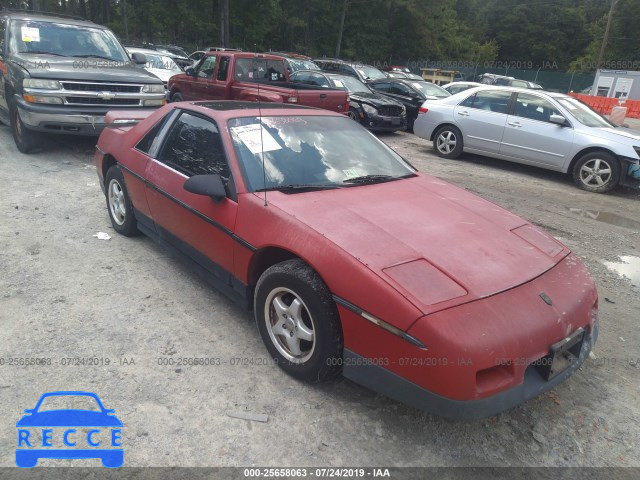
(548, 130)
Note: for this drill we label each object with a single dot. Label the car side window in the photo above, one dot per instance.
(207, 67)
(534, 108)
(223, 68)
(318, 80)
(194, 147)
(348, 70)
(381, 87)
(301, 77)
(400, 89)
(493, 101)
(149, 142)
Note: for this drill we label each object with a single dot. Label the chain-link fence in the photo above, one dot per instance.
(551, 80)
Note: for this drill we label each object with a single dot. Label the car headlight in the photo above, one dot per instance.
(154, 103)
(369, 109)
(154, 88)
(41, 99)
(41, 83)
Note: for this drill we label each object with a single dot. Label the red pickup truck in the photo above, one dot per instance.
(251, 77)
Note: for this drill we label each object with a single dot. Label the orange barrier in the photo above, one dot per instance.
(633, 108)
(602, 105)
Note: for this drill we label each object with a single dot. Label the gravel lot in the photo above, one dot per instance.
(65, 293)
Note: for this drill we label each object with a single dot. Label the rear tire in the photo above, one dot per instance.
(447, 142)
(597, 172)
(26, 140)
(298, 321)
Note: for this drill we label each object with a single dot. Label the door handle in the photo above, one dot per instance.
(323, 95)
(463, 114)
(515, 124)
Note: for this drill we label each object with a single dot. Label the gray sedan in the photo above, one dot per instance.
(548, 130)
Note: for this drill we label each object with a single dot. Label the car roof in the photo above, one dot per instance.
(516, 89)
(228, 109)
(146, 50)
(53, 18)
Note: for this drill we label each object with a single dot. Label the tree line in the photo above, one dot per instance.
(565, 35)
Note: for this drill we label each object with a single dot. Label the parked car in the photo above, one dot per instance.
(410, 93)
(375, 111)
(162, 66)
(178, 54)
(62, 75)
(364, 73)
(457, 87)
(352, 260)
(411, 76)
(543, 129)
(502, 80)
(230, 75)
(196, 56)
(297, 62)
(396, 68)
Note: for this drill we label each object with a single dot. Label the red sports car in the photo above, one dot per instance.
(353, 261)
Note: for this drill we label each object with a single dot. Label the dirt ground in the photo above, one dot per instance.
(66, 294)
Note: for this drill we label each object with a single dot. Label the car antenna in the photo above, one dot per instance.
(264, 171)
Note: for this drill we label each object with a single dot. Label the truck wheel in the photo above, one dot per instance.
(26, 140)
(176, 97)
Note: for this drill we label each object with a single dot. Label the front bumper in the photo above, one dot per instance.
(379, 123)
(379, 379)
(65, 118)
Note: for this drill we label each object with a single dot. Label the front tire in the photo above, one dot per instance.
(353, 115)
(119, 204)
(298, 321)
(176, 97)
(597, 172)
(26, 140)
(448, 142)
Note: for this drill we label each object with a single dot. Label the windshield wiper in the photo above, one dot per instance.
(297, 187)
(92, 56)
(371, 179)
(42, 52)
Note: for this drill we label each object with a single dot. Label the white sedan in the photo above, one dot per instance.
(547, 130)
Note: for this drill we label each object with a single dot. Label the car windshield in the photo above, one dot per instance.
(353, 85)
(583, 114)
(66, 402)
(298, 64)
(38, 37)
(431, 89)
(370, 73)
(311, 151)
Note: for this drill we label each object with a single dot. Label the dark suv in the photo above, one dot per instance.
(61, 75)
(364, 73)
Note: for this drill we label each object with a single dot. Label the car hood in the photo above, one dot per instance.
(617, 133)
(89, 69)
(436, 244)
(374, 99)
(69, 418)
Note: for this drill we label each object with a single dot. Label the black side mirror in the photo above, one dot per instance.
(209, 185)
(190, 71)
(139, 58)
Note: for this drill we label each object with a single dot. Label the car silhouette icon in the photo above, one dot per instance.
(97, 420)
